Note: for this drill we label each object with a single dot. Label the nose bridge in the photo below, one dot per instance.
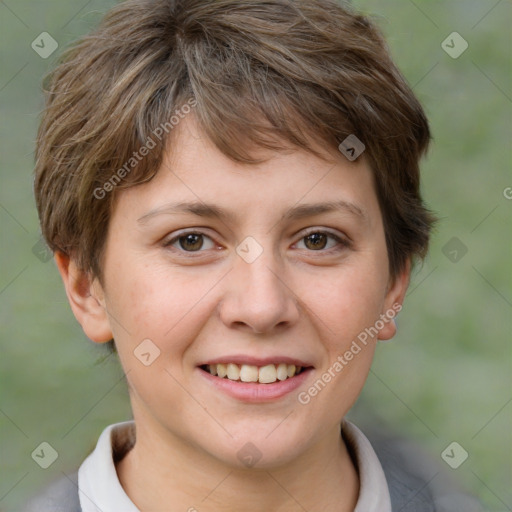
(257, 295)
(261, 277)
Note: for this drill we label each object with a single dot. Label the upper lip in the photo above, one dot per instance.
(256, 361)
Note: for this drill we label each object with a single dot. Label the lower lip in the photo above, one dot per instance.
(254, 392)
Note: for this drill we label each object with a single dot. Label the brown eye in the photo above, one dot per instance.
(191, 242)
(316, 241)
(319, 240)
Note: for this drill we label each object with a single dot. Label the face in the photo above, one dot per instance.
(270, 273)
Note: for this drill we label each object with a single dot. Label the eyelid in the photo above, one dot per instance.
(326, 231)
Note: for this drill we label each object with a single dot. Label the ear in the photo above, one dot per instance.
(393, 302)
(86, 298)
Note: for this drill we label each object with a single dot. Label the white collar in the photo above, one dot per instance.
(101, 491)
(373, 491)
(98, 483)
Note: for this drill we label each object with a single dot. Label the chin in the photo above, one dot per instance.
(260, 448)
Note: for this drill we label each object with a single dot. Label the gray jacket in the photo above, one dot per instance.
(416, 484)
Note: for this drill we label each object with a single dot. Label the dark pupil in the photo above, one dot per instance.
(317, 241)
(191, 242)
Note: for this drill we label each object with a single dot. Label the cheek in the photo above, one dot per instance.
(344, 304)
(162, 304)
(341, 310)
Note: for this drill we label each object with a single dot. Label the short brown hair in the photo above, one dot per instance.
(260, 73)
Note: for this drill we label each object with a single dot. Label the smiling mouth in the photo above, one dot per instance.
(267, 374)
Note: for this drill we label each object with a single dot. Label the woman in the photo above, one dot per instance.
(231, 191)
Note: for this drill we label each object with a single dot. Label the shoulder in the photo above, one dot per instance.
(97, 474)
(60, 496)
(418, 483)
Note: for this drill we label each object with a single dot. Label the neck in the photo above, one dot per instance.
(168, 471)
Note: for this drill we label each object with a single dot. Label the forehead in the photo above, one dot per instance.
(196, 177)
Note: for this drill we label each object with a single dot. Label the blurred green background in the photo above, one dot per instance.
(446, 376)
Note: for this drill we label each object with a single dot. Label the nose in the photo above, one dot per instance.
(258, 298)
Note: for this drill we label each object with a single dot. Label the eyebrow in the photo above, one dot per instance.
(301, 211)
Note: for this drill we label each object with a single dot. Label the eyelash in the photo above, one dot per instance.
(343, 243)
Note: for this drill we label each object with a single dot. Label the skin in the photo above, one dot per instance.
(293, 300)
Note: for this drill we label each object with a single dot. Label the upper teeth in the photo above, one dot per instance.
(249, 373)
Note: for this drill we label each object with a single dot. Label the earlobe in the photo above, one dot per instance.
(86, 299)
(393, 302)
